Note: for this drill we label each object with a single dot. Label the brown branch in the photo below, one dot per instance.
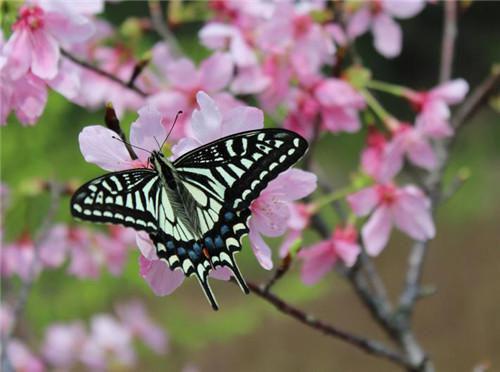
(448, 40)
(106, 74)
(369, 346)
(161, 27)
(282, 269)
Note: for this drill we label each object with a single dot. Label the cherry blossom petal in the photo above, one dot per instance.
(99, 147)
(422, 154)
(53, 250)
(363, 201)
(339, 119)
(270, 215)
(359, 23)
(67, 81)
(242, 53)
(290, 238)
(318, 260)
(347, 251)
(61, 344)
(241, 119)
(294, 184)
(376, 231)
(337, 92)
(65, 24)
(259, 247)
(30, 98)
(183, 75)
(403, 8)
(412, 215)
(160, 278)
(250, 80)
(18, 49)
(206, 122)
(221, 273)
(451, 92)
(216, 35)
(388, 38)
(45, 55)
(145, 245)
(433, 121)
(147, 132)
(216, 72)
(22, 359)
(182, 147)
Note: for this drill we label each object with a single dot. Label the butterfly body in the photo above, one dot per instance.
(196, 208)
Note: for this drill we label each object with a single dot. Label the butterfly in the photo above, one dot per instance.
(196, 208)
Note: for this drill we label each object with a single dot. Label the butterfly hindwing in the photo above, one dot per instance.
(127, 198)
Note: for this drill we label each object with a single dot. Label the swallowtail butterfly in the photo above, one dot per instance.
(196, 208)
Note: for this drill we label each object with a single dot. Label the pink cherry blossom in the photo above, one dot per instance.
(372, 156)
(433, 106)
(271, 210)
(185, 80)
(54, 249)
(410, 142)
(377, 16)
(63, 344)
(340, 104)
(300, 215)
(320, 258)
(407, 208)
(134, 315)
(22, 359)
(85, 259)
(109, 342)
(99, 147)
(304, 109)
(40, 30)
(19, 258)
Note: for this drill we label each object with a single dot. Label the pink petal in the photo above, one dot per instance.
(221, 273)
(22, 359)
(216, 72)
(206, 122)
(242, 53)
(99, 147)
(145, 245)
(340, 119)
(259, 247)
(294, 184)
(393, 159)
(18, 49)
(30, 98)
(160, 278)
(250, 80)
(451, 92)
(183, 75)
(290, 238)
(422, 154)
(216, 35)
(377, 230)
(347, 251)
(433, 121)
(337, 92)
(66, 25)
(363, 201)
(388, 36)
(413, 216)
(45, 55)
(359, 23)
(270, 215)
(318, 260)
(67, 81)
(53, 250)
(182, 147)
(147, 132)
(403, 8)
(241, 119)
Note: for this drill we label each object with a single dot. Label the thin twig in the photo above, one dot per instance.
(282, 269)
(448, 41)
(48, 221)
(370, 346)
(161, 27)
(106, 74)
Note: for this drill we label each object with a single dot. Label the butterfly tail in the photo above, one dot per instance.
(205, 286)
(237, 275)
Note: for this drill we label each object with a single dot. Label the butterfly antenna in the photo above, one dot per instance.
(128, 143)
(179, 113)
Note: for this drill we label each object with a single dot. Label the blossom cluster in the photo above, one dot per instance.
(107, 341)
(288, 57)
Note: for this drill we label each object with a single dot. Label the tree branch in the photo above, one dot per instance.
(448, 40)
(161, 27)
(369, 346)
(106, 74)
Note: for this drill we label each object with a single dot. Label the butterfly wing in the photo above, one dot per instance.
(224, 177)
(129, 198)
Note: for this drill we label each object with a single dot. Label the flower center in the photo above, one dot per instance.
(29, 17)
(387, 194)
(301, 24)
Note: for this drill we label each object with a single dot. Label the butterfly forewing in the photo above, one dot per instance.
(128, 198)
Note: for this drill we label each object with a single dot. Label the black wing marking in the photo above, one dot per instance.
(128, 198)
(235, 169)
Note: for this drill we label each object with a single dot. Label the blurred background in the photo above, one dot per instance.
(459, 326)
